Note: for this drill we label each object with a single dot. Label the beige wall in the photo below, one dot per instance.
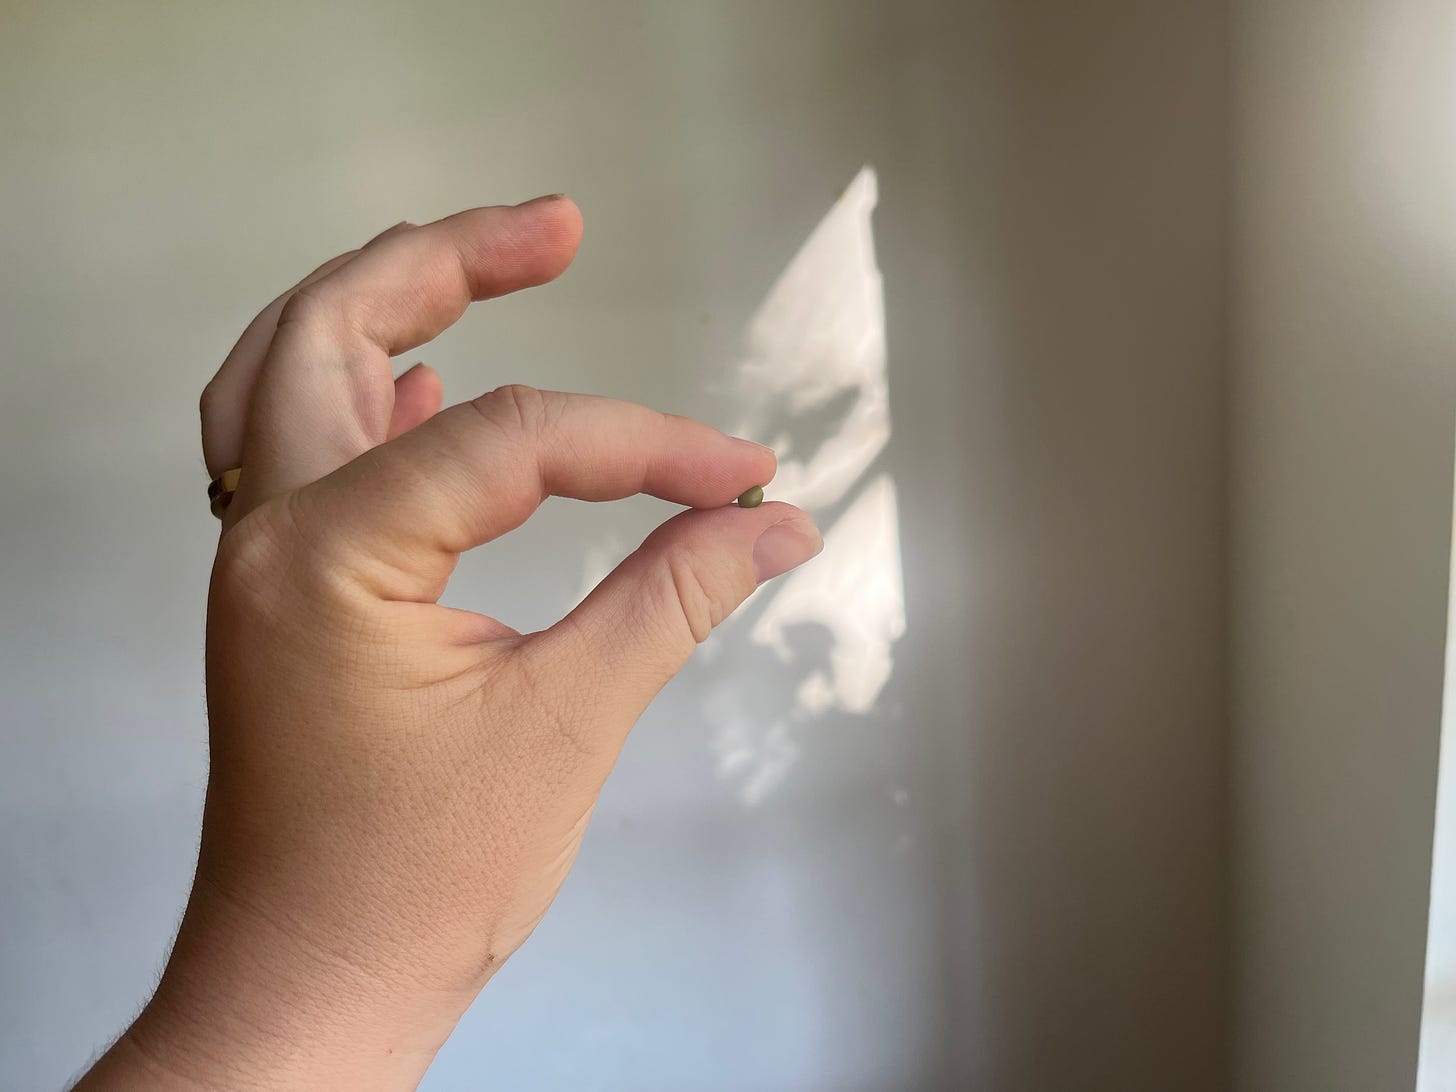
(1089, 199)
(1345, 337)
(1009, 875)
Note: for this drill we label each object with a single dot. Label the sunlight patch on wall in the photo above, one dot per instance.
(814, 387)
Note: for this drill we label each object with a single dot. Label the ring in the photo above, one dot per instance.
(221, 489)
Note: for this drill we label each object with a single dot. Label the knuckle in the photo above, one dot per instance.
(290, 603)
(515, 405)
(207, 402)
(270, 563)
(693, 588)
(308, 306)
(250, 560)
(510, 440)
(354, 320)
(325, 309)
(317, 310)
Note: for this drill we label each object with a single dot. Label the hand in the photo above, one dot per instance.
(397, 788)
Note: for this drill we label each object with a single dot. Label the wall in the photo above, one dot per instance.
(1341, 462)
(1007, 872)
(1438, 1002)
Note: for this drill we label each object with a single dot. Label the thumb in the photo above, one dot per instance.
(639, 626)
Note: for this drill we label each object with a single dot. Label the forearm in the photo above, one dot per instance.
(244, 1005)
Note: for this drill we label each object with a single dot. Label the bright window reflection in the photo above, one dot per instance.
(1438, 1014)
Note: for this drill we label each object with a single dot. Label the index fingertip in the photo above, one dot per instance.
(764, 458)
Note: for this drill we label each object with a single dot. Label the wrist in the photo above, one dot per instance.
(245, 1003)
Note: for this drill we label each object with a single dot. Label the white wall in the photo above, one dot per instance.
(1008, 874)
(1345, 338)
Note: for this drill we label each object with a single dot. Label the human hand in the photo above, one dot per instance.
(398, 788)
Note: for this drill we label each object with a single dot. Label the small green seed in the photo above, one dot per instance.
(751, 498)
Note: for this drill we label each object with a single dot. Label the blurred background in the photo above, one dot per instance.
(1099, 749)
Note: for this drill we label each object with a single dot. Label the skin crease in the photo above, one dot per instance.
(397, 789)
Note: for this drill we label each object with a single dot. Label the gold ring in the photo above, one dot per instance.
(221, 489)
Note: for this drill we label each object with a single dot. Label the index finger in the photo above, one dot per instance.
(407, 510)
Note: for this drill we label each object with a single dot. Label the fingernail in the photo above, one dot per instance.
(543, 197)
(784, 546)
(756, 446)
(395, 230)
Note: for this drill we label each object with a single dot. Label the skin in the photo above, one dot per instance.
(397, 789)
